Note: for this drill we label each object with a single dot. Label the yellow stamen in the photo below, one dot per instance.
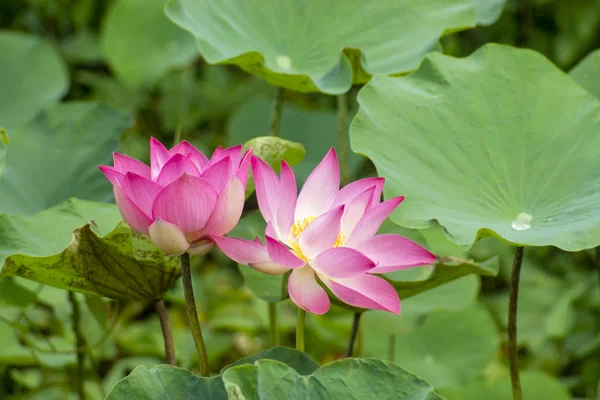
(300, 226)
(341, 239)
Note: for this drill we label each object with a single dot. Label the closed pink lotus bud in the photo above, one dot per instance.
(327, 233)
(183, 197)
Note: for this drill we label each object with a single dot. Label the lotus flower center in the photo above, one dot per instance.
(300, 226)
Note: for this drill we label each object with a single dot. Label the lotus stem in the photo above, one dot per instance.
(342, 119)
(79, 344)
(192, 313)
(167, 332)
(276, 114)
(273, 324)
(512, 325)
(392, 348)
(300, 330)
(353, 333)
(177, 136)
(598, 264)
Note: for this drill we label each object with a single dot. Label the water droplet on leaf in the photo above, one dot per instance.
(283, 62)
(522, 223)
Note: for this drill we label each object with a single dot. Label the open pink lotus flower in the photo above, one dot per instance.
(329, 233)
(183, 197)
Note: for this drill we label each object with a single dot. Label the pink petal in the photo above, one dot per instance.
(200, 247)
(321, 234)
(249, 252)
(141, 191)
(369, 224)
(306, 292)
(342, 262)
(158, 157)
(280, 254)
(287, 200)
(267, 188)
(131, 213)
(355, 210)
(394, 252)
(234, 153)
(242, 171)
(366, 291)
(186, 202)
(174, 168)
(219, 174)
(192, 153)
(270, 231)
(321, 187)
(168, 238)
(350, 191)
(228, 209)
(112, 174)
(126, 164)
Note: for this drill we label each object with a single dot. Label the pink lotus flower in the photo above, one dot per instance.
(183, 197)
(327, 233)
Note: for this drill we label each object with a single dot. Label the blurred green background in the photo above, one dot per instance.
(110, 74)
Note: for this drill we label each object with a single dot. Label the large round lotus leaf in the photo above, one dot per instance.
(351, 378)
(32, 75)
(501, 143)
(587, 73)
(141, 44)
(298, 44)
(488, 11)
(56, 156)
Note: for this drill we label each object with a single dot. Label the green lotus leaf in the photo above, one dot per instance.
(355, 378)
(298, 361)
(141, 44)
(480, 146)
(32, 76)
(587, 73)
(314, 45)
(488, 11)
(120, 265)
(167, 382)
(164, 381)
(56, 156)
(446, 270)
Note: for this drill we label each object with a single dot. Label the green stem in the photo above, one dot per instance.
(598, 263)
(273, 323)
(167, 332)
(342, 118)
(276, 114)
(79, 344)
(353, 333)
(177, 137)
(392, 348)
(512, 325)
(192, 313)
(300, 329)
